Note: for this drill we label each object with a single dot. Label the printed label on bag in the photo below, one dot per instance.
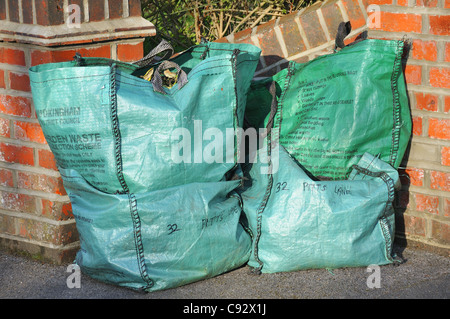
(315, 129)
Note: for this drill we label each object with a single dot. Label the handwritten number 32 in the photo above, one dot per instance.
(281, 187)
(172, 228)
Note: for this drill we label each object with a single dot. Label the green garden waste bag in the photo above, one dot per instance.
(154, 208)
(339, 106)
(299, 222)
(320, 185)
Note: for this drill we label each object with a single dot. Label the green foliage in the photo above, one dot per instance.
(185, 23)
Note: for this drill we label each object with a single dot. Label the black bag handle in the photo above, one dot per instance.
(157, 80)
(163, 46)
(344, 30)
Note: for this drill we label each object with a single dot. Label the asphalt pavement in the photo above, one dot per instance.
(422, 275)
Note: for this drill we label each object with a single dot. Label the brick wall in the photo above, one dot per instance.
(35, 211)
(423, 204)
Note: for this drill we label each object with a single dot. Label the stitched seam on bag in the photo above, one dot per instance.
(383, 220)
(66, 78)
(396, 104)
(119, 171)
(287, 83)
(236, 106)
(384, 224)
(263, 205)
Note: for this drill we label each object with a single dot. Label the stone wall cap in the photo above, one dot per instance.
(131, 27)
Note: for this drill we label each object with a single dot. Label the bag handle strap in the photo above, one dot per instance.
(157, 80)
(163, 46)
(344, 30)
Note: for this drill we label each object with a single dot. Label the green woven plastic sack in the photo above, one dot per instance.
(102, 119)
(299, 223)
(148, 217)
(338, 106)
(320, 187)
(166, 238)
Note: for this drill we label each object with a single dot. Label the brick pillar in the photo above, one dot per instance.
(423, 204)
(35, 211)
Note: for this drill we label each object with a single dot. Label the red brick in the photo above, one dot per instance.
(17, 202)
(291, 35)
(313, 30)
(2, 10)
(40, 57)
(270, 47)
(6, 178)
(424, 50)
(440, 232)
(400, 22)
(135, 8)
(447, 4)
(414, 225)
(42, 231)
(413, 74)
(14, 11)
(115, 9)
(440, 25)
(440, 77)
(439, 128)
(50, 12)
(4, 128)
(354, 13)
(19, 81)
(47, 160)
(16, 154)
(29, 132)
(411, 176)
(67, 55)
(130, 52)
(426, 203)
(379, 2)
(445, 156)
(447, 52)
(56, 210)
(41, 182)
(12, 56)
(96, 11)
(425, 101)
(2, 79)
(15, 105)
(417, 125)
(244, 34)
(427, 3)
(440, 181)
(27, 11)
(222, 40)
(333, 17)
(403, 3)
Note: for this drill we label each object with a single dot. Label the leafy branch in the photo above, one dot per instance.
(185, 23)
